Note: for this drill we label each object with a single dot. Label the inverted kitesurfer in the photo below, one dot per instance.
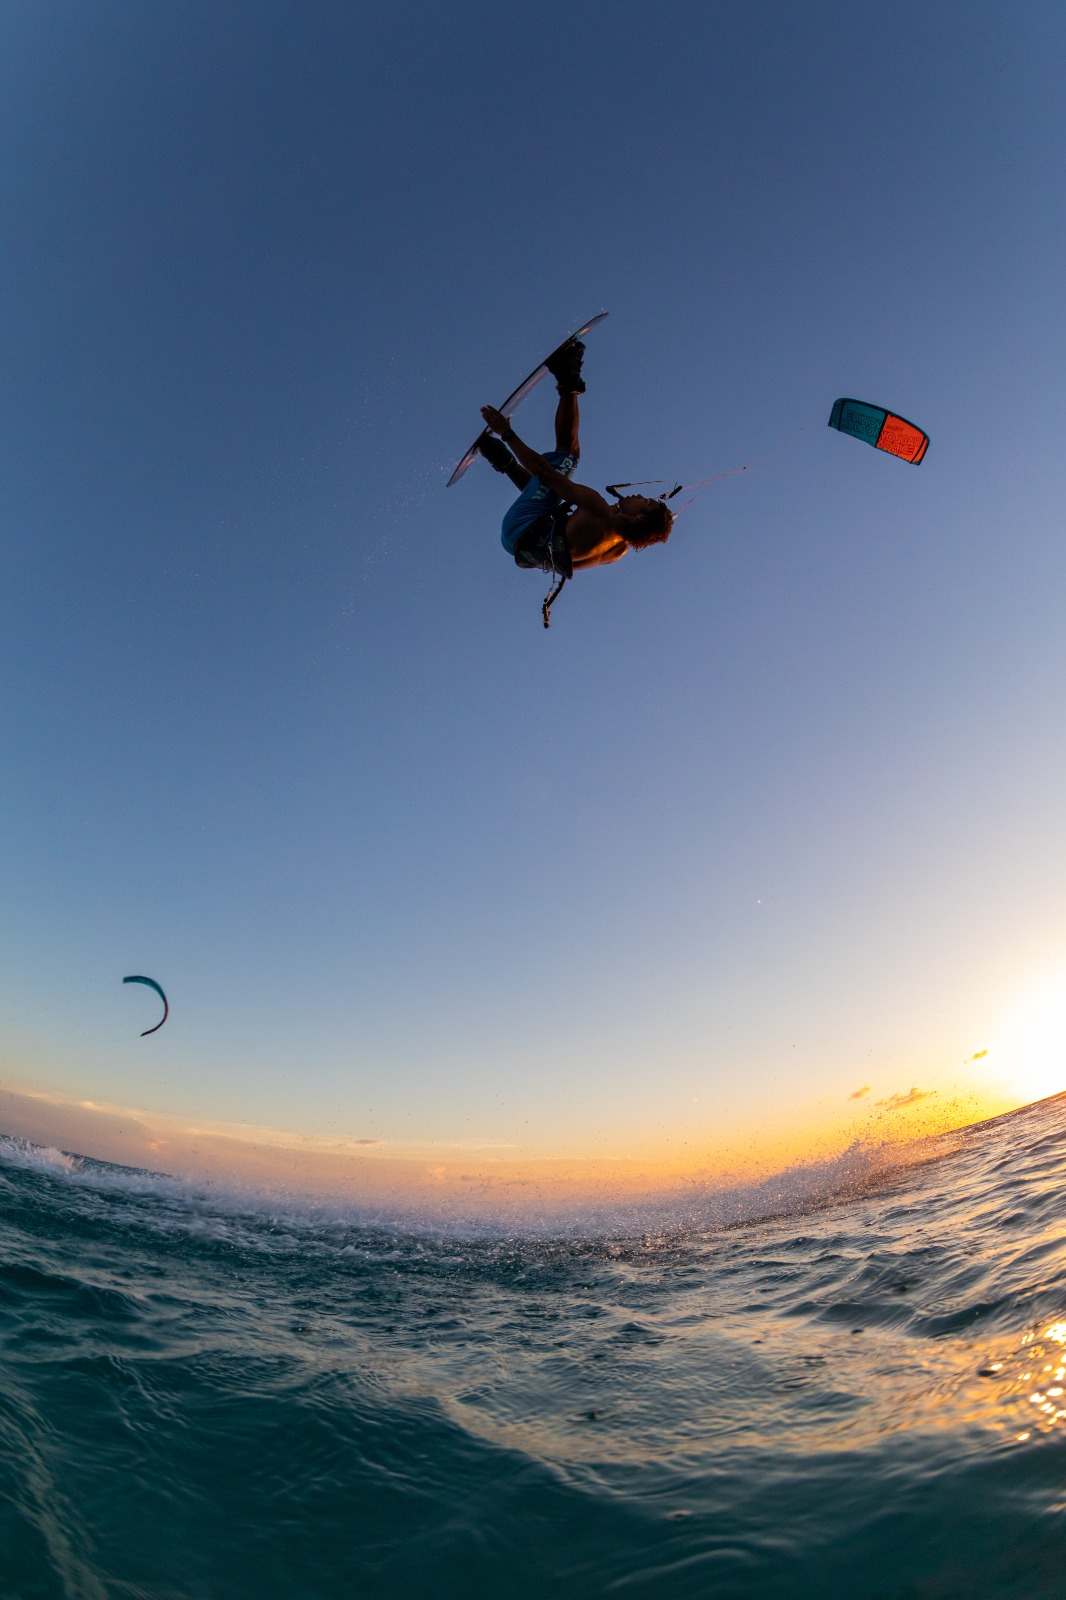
(557, 525)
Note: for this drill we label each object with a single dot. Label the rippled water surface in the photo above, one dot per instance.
(206, 1397)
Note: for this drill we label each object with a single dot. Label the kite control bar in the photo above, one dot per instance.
(646, 483)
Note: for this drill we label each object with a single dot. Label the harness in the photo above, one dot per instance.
(543, 546)
(558, 532)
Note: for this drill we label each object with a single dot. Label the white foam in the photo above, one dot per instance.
(280, 1222)
(36, 1157)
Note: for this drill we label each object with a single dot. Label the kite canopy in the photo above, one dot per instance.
(881, 428)
(152, 985)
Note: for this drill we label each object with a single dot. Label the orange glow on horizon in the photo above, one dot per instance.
(479, 1175)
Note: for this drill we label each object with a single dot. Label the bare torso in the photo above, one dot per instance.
(592, 541)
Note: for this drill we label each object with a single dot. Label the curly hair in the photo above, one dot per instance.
(649, 527)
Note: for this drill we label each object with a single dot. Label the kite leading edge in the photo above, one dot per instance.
(151, 983)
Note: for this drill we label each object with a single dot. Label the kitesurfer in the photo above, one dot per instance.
(556, 525)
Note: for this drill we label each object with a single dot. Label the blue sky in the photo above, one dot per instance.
(769, 813)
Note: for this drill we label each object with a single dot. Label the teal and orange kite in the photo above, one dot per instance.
(881, 428)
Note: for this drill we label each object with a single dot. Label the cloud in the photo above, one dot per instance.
(896, 1101)
(860, 1092)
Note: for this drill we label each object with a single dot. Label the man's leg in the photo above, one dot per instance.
(567, 424)
(497, 455)
(564, 365)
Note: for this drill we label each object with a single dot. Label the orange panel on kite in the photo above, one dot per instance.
(902, 438)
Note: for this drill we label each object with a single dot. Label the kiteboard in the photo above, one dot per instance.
(513, 401)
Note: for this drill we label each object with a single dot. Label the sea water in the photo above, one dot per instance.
(861, 1394)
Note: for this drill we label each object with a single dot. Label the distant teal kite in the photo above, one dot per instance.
(166, 1009)
(881, 428)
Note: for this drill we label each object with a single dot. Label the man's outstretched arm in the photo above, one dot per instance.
(576, 493)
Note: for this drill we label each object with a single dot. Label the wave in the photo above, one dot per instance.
(845, 1379)
(285, 1219)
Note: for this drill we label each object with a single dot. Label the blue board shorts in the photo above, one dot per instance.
(535, 500)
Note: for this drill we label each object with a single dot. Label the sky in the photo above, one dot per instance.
(764, 838)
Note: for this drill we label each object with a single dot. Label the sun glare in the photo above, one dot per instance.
(1031, 1051)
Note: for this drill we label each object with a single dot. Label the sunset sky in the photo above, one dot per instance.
(763, 840)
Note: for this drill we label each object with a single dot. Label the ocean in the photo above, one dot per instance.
(846, 1384)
